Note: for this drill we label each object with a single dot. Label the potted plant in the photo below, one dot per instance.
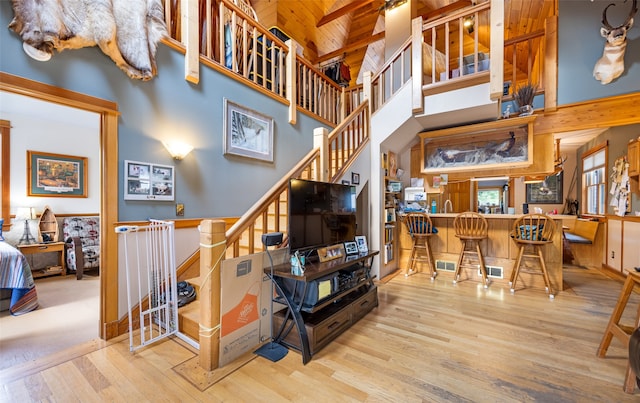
(523, 97)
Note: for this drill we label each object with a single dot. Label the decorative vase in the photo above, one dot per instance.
(526, 110)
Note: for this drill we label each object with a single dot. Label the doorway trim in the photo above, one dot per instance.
(108, 112)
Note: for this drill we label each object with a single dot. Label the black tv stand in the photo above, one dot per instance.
(317, 325)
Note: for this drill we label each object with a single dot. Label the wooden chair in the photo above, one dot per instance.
(471, 228)
(623, 332)
(420, 229)
(532, 231)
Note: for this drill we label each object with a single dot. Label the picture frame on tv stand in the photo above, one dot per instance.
(330, 252)
(350, 248)
(361, 241)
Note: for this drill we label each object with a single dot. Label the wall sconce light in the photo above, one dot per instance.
(177, 149)
(468, 23)
(389, 4)
(26, 214)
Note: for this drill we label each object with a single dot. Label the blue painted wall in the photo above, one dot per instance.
(580, 46)
(209, 183)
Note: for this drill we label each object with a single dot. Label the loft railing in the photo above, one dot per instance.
(456, 45)
(392, 76)
(233, 39)
(525, 61)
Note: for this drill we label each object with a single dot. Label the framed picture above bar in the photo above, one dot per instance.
(56, 175)
(506, 143)
(549, 191)
(147, 181)
(247, 133)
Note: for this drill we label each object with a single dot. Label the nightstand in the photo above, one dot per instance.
(46, 248)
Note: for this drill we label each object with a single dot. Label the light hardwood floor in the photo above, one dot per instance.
(427, 341)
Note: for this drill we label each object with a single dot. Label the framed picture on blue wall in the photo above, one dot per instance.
(247, 133)
(146, 181)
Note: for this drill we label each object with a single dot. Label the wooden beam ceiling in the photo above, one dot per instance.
(350, 47)
(342, 11)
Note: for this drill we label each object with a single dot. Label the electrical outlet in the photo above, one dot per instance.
(180, 209)
(613, 254)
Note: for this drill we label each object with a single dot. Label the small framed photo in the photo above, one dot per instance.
(146, 181)
(361, 240)
(350, 248)
(355, 178)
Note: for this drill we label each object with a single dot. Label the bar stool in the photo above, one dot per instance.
(532, 231)
(420, 228)
(622, 332)
(471, 228)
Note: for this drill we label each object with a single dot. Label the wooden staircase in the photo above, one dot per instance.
(189, 315)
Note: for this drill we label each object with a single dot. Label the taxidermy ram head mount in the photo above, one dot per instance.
(611, 65)
(126, 31)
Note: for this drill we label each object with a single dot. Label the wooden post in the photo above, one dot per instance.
(190, 20)
(417, 99)
(550, 80)
(212, 247)
(496, 70)
(321, 140)
(367, 89)
(292, 85)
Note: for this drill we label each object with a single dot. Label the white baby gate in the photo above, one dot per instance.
(150, 268)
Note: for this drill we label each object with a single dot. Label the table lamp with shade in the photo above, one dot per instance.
(26, 214)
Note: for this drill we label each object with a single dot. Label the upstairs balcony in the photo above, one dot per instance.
(451, 53)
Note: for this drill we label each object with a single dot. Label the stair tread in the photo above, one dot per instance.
(191, 311)
(195, 282)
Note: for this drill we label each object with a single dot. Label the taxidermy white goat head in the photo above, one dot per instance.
(611, 65)
(126, 31)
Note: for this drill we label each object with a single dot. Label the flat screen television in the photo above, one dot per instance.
(320, 214)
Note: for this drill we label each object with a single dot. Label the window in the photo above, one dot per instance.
(594, 181)
(489, 200)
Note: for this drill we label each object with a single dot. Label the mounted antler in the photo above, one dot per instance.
(634, 10)
(611, 65)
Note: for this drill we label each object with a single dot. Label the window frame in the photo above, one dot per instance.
(584, 190)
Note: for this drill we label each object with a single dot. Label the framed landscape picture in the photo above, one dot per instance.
(247, 133)
(56, 175)
(146, 181)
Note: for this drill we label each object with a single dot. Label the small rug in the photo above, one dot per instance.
(203, 379)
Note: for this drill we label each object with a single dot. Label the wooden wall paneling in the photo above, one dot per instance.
(499, 235)
(619, 110)
(440, 240)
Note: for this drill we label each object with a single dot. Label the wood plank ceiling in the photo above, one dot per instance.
(353, 30)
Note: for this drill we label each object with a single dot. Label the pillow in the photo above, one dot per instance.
(531, 232)
(422, 228)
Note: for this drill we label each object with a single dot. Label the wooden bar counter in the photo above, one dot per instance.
(499, 250)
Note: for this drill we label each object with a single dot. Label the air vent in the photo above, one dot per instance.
(493, 271)
(445, 265)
